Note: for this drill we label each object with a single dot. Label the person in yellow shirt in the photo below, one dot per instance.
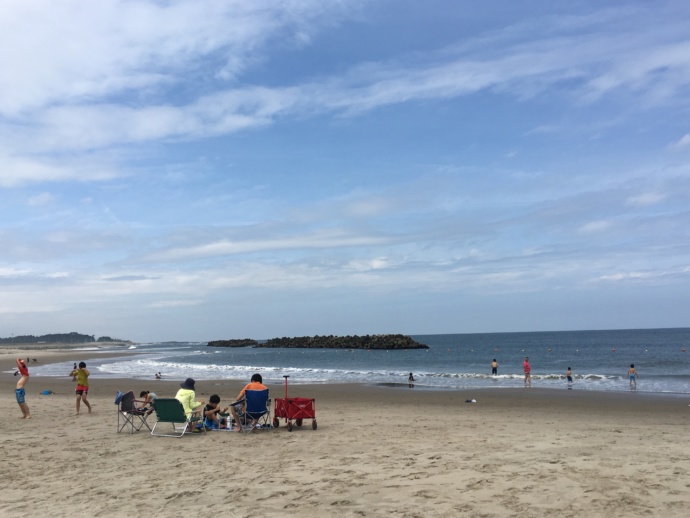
(82, 374)
(187, 396)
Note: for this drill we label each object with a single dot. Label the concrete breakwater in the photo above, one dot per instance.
(346, 342)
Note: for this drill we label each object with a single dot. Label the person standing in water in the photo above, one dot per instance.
(632, 374)
(494, 367)
(527, 368)
(410, 380)
(82, 389)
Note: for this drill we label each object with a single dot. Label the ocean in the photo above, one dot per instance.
(599, 361)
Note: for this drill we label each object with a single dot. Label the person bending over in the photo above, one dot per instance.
(212, 411)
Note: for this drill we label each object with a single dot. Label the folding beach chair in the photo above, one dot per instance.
(257, 412)
(170, 410)
(131, 416)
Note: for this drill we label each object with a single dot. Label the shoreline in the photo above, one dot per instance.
(47, 356)
(378, 451)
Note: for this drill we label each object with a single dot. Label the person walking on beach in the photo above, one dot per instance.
(82, 375)
(632, 374)
(494, 367)
(74, 369)
(19, 392)
(528, 372)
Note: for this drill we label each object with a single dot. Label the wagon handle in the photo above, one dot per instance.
(286, 376)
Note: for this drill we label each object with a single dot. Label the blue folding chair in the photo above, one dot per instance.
(257, 411)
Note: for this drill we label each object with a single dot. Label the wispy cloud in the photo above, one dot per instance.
(590, 60)
(683, 142)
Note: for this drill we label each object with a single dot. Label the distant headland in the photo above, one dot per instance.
(240, 342)
(60, 338)
(385, 341)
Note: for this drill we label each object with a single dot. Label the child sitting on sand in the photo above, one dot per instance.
(212, 421)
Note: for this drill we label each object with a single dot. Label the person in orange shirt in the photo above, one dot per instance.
(237, 408)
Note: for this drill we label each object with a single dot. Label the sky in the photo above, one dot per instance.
(209, 169)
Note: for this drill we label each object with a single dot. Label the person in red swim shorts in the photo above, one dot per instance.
(82, 390)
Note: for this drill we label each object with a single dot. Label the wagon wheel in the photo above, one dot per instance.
(313, 424)
(298, 422)
(276, 423)
(289, 426)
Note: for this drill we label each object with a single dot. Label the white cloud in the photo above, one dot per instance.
(331, 238)
(16, 171)
(683, 142)
(8, 272)
(594, 227)
(625, 276)
(175, 303)
(43, 198)
(646, 199)
(71, 51)
(77, 94)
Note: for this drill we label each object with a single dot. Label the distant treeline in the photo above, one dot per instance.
(329, 342)
(58, 338)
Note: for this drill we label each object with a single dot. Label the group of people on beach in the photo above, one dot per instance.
(80, 374)
(213, 417)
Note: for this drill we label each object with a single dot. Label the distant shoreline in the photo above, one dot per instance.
(43, 346)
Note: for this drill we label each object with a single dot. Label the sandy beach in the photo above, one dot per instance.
(378, 451)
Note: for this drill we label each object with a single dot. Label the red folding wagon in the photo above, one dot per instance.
(294, 409)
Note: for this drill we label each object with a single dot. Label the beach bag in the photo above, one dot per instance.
(118, 397)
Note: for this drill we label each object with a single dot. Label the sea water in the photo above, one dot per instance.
(599, 361)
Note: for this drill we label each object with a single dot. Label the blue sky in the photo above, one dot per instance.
(198, 170)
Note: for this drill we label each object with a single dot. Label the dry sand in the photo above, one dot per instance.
(377, 452)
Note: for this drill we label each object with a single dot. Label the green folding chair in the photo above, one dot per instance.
(170, 410)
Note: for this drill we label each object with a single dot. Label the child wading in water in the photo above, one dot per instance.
(569, 376)
(82, 390)
(632, 374)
